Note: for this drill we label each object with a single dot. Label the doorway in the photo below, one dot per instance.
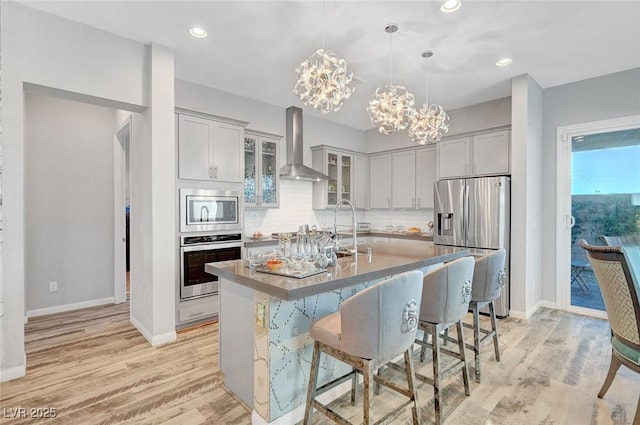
(121, 202)
(599, 193)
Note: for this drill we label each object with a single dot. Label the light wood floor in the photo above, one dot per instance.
(93, 367)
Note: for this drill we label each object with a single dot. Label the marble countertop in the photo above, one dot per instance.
(389, 256)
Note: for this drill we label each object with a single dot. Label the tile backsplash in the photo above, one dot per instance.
(296, 208)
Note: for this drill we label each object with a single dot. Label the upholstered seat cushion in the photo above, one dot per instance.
(328, 330)
(625, 351)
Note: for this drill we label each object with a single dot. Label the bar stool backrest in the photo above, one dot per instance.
(382, 320)
(488, 276)
(446, 291)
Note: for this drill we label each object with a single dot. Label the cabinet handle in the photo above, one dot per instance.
(215, 172)
(210, 172)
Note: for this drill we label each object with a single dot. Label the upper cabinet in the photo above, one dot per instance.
(480, 155)
(210, 149)
(403, 179)
(340, 166)
(261, 170)
(426, 176)
(380, 181)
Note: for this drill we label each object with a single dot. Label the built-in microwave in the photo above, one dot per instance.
(204, 210)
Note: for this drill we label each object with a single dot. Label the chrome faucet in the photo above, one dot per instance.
(206, 211)
(353, 223)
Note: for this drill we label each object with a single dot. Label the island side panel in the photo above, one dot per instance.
(236, 318)
(290, 347)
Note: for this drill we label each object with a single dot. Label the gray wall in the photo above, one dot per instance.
(492, 114)
(607, 97)
(68, 201)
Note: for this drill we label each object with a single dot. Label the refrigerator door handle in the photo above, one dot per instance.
(465, 212)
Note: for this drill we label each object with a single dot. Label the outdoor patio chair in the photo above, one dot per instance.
(622, 240)
(617, 270)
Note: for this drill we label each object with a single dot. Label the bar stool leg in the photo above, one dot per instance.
(476, 340)
(368, 393)
(313, 382)
(413, 392)
(465, 369)
(354, 388)
(496, 347)
(435, 350)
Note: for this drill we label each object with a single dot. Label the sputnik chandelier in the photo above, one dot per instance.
(428, 124)
(391, 107)
(324, 82)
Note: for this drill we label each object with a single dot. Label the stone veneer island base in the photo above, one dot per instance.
(265, 348)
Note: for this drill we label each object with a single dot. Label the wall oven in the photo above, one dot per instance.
(195, 252)
(204, 210)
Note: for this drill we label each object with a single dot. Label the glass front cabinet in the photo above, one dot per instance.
(339, 166)
(261, 170)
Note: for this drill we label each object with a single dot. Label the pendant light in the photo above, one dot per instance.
(391, 107)
(428, 124)
(324, 81)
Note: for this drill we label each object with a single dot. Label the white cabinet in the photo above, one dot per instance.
(491, 153)
(210, 149)
(480, 155)
(340, 166)
(261, 170)
(425, 176)
(404, 179)
(380, 181)
(360, 181)
(454, 156)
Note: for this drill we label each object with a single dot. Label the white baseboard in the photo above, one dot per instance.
(14, 372)
(68, 307)
(297, 414)
(526, 315)
(153, 339)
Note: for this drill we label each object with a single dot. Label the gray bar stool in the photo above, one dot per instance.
(370, 329)
(488, 281)
(446, 293)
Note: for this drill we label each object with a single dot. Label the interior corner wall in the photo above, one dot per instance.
(610, 96)
(526, 181)
(41, 49)
(69, 223)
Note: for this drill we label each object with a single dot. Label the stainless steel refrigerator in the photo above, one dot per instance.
(475, 213)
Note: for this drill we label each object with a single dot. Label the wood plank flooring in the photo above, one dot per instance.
(93, 367)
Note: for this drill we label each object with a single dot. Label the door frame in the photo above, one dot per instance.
(564, 219)
(121, 149)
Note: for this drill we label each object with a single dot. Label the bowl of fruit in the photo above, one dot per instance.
(274, 264)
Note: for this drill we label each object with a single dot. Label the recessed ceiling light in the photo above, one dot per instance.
(503, 62)
(450, 6)
(197, 32)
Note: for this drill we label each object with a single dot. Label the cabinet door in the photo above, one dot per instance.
(346, 177)
(228, 152)
(251, 158)
(195, 142)
(453, 158)
(360, 181)
(333, 164)
(269, 173)
(404, 179)
(491, 153)
(425, 177)
(380, 178)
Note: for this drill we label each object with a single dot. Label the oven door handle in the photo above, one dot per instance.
(210, 246)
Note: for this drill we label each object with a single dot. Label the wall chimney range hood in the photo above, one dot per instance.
(295, 169)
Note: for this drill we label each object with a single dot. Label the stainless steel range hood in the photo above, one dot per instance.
(295, 169)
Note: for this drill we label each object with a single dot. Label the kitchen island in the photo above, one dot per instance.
(265, 348)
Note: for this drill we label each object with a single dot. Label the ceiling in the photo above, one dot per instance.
(254, 46)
